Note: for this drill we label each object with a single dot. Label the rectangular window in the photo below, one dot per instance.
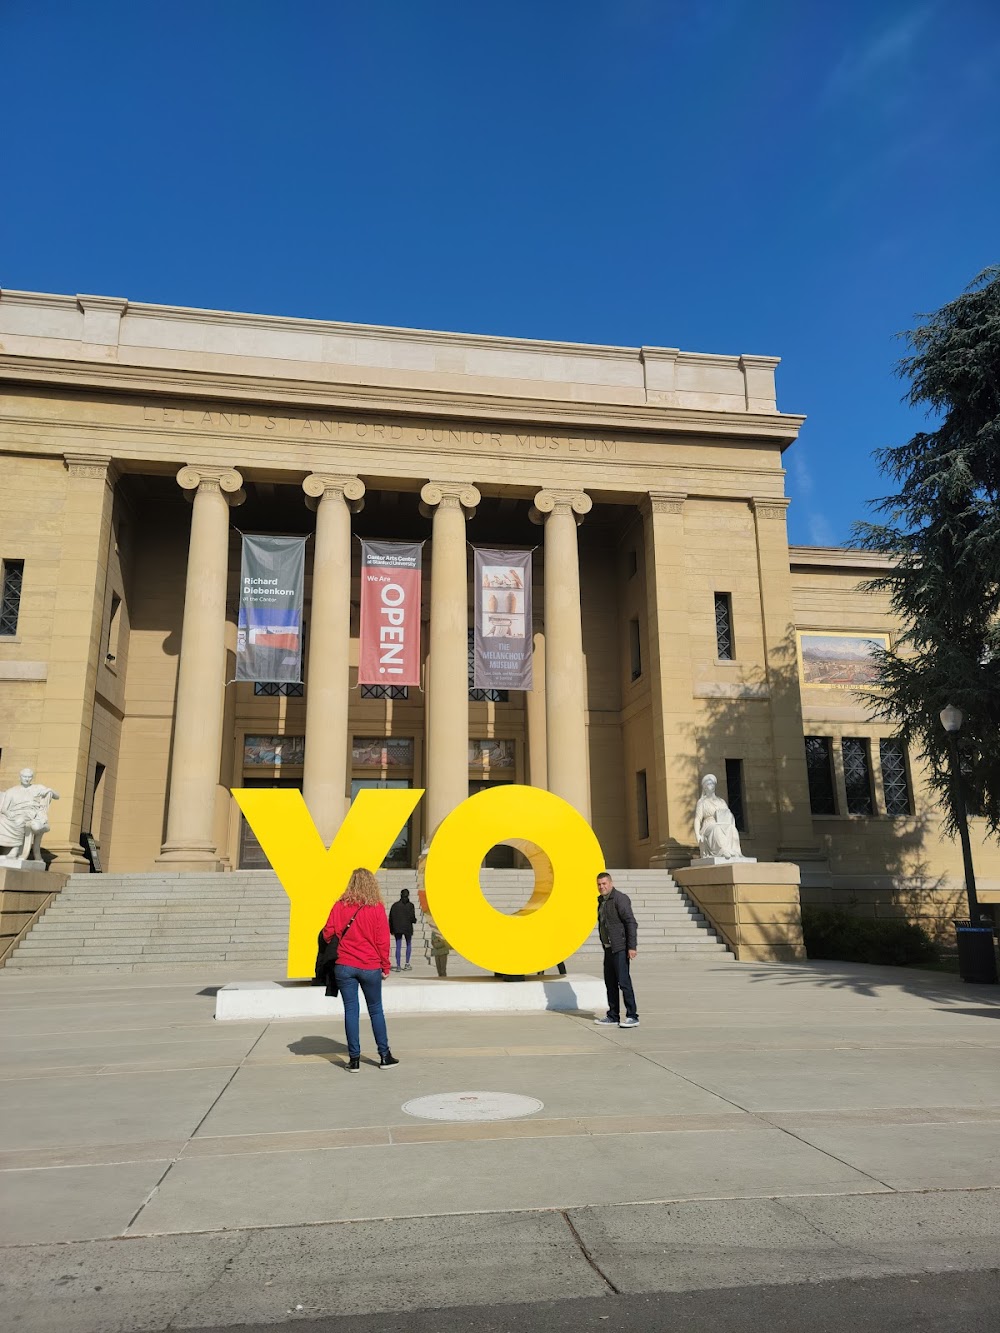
(724, 627)
(895, 781)
(635, 649)
(114, 630)
(271, 688)
(734, 792)
(631, 563)
(857, 776)
(641, 805)
(819, 767)
(11, 576)
(385, 691)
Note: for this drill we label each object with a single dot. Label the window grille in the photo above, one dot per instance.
(895, 782)
(10, 595)
(272, 688)
(482, 696)
(819, 768)
(385, 691)
(724, 626)
(734, 792)
(857, 776)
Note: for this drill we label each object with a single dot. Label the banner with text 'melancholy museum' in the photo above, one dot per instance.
(269, 633)
(389, 649)
(502, 608)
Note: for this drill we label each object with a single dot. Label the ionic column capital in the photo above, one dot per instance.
(227, 481)
(578, 503)
(319, 486)
(450, 495)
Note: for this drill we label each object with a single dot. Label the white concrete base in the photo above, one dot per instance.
(700, 861)
(19, 863)
(439, 995)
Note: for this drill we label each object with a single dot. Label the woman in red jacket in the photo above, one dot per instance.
(359, 920)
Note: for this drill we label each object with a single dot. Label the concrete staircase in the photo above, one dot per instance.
(155, 922)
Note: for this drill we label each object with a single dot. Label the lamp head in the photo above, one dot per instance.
(951, 719)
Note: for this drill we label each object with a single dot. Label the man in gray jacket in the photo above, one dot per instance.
(617, 928)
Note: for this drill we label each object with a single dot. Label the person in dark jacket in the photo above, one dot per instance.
(402, 918)
(618, 930)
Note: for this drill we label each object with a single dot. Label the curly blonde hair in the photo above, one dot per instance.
(362, 889)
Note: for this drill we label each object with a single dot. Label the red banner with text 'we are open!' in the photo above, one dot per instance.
(389, 650)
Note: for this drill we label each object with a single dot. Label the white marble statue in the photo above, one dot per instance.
(715, 827)
(24, 811)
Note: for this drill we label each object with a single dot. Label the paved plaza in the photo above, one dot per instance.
(765, 1124)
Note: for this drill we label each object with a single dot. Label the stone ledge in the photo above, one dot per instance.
(241, 1000)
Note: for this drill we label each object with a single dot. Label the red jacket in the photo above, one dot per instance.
(366, 944)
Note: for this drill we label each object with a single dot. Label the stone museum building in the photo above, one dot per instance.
(675, 630)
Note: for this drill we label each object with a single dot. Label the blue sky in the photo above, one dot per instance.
(792, 179)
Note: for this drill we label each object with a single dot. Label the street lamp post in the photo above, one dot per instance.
(951, 720)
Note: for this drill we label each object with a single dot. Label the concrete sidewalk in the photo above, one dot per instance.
(763, 1124)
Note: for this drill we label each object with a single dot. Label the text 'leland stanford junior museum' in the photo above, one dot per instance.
(590, 590)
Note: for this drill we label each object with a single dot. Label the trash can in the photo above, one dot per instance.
(977, 955)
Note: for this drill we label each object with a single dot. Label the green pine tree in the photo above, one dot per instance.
(942, 529)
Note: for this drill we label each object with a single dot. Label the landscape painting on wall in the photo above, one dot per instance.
(840, 661)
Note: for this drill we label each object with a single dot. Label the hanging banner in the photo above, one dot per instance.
(502, 610)
(269, 632)
(389, 648)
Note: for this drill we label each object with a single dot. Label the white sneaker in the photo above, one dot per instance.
(629, 1023)
(606, 1022)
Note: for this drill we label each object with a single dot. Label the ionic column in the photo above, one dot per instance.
(194, 767)
(565, 682)
(324, 779)
(447, 746)
(534, 716)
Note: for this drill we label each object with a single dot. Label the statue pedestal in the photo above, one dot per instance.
(753, 905)
(23, 898)
(699, 861)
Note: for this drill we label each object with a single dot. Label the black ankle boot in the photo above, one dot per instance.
(387, 1061)
(354, 1064)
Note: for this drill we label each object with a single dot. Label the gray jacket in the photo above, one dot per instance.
(619, 923)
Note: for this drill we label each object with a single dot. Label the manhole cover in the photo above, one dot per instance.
(472, 1106)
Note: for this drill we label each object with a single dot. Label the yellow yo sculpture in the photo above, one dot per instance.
(558, 842)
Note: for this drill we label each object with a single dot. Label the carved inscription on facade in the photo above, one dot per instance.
(301, 427)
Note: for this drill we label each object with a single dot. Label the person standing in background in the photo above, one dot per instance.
(359, 921)
(616, 925)
(402, 919)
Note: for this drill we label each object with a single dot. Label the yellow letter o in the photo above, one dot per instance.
(561, 912)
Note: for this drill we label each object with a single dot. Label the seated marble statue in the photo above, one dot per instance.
(714, 825)
(24, 817)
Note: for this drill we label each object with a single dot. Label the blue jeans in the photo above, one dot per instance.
(618, 978)
(370, 981)
(409, 946)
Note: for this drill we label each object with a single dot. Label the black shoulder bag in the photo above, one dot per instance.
(326, 959)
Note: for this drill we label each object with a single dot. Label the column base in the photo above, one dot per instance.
(66, 857)
(190, 856)
(672, 855)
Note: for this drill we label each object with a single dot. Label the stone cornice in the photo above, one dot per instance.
(397, 401)
(769, 508)
(664, 502)
(837, 557)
